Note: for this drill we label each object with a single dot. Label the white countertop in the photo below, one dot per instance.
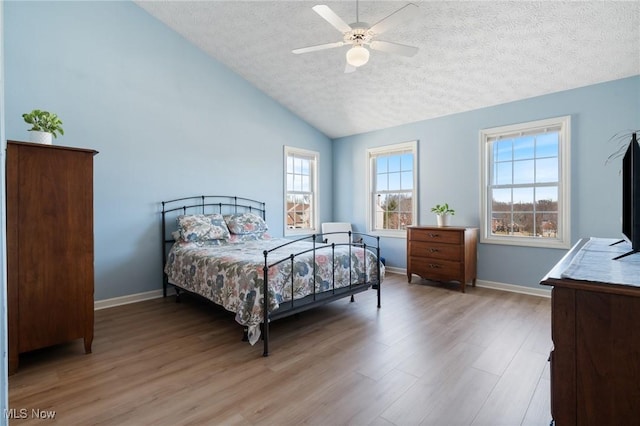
(594, 262)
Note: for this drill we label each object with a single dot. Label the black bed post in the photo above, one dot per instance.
(353, 299)
(265, 306)
(350, 265)
(378, 266)
(164, 254)
(315, 283)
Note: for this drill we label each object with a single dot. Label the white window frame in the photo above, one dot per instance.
(315, 193)
(372, 154)
(487, 136)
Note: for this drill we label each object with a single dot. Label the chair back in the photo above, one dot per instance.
(336, 227)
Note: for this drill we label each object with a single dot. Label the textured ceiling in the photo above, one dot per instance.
(472, 54)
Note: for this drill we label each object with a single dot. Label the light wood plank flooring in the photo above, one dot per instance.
(430, 356)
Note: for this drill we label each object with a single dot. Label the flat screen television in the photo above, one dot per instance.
(631, 197)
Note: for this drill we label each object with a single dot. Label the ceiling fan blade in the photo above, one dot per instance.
(318, 47)
(348, 68)
(394, 19)
(389, 47)
(331, 17)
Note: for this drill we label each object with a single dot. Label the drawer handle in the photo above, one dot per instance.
(434, 250)
(434, 235)
(434, 266)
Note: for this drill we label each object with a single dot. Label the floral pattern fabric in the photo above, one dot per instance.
(232, 276)
(202, 227)
(245, 223)
(241, 238)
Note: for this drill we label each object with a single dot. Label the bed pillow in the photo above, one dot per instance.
(202, 227)
(246, 223)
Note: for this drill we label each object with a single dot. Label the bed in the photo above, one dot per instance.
(219, 248)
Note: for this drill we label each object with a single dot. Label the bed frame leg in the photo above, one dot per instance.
(353, 299)
(177, 295)
(265, 339)
(245, 334)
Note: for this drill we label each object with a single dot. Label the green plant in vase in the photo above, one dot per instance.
(443, 211)
(44, 124)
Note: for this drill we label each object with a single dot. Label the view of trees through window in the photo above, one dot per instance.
(525, 219)
(524, 185)
(394, 211)
(394, 184)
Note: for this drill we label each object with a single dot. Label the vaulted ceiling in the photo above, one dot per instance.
(472, 54)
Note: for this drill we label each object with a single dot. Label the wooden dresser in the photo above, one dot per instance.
(446, 253)
(49, 246)
(595, 328)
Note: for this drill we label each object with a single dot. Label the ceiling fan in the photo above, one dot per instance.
(359, 35)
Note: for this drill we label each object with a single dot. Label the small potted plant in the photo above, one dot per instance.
(442, 212)
(44, 124)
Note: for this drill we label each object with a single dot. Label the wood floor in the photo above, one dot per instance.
(430, 356)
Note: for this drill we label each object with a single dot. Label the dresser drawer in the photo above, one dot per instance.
(436, 236)
(436, 269)
(436, 250)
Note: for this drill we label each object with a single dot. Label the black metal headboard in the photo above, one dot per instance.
(201, 204)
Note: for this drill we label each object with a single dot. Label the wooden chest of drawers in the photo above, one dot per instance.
(50, 250)
(595, 361)
(442, 253)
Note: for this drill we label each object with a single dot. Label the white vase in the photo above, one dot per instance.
(41, 137)
(443, 219)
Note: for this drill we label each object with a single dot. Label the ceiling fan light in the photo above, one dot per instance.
(357, 56)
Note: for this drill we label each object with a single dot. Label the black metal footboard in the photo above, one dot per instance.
(317, 298)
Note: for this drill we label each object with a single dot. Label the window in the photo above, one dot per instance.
(393, 200)
(525, 184)
(301, 191)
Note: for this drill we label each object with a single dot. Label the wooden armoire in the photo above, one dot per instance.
(49, 246)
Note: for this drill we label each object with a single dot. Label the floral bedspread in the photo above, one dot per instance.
(231, 275)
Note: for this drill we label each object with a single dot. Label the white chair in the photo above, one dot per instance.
(340, 238)
(328, 227)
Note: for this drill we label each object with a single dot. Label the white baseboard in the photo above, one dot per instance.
(513, 288)
(542, 292)
(394, 270)
(125, 300)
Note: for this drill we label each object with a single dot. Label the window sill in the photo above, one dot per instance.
(527, 242)
(389, 234)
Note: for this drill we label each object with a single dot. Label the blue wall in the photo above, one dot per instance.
(168, 121)
(449, 171)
